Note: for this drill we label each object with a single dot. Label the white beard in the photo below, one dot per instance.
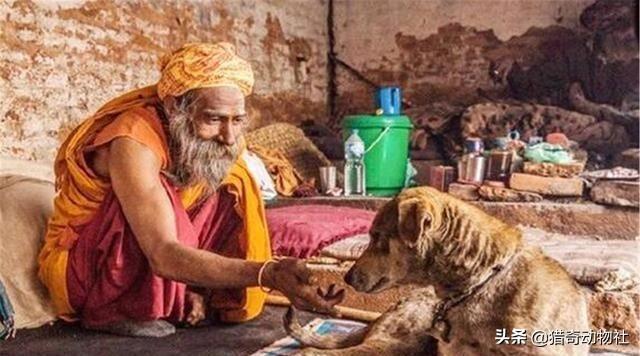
(195, 160)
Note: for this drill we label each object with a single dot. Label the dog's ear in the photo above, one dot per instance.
(413, 219)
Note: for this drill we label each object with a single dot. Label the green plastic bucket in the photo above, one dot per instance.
(386, 140)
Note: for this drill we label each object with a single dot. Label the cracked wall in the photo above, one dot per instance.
(441, 49)
(61, 60)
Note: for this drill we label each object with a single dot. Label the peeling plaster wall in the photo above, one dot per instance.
(61, 60)
(439, 49)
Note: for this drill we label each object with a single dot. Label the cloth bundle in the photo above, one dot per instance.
(7, 329)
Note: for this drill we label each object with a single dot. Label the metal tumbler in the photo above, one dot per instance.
(327, 178)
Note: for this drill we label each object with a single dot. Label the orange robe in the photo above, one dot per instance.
(81, 193)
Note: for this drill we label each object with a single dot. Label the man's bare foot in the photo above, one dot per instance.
(154, 328)
(196, 306)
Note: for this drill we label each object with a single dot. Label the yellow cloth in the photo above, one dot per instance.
(80, 194)
(285, 175)
(204, 65)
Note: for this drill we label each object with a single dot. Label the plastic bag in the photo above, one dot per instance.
(546, 152)
(7, 329)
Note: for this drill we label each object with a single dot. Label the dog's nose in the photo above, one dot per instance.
(350, 278)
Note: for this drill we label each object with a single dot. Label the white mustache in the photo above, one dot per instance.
(195, 160)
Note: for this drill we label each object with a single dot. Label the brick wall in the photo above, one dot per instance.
(61, 60)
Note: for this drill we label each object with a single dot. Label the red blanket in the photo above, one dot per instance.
(303, 230)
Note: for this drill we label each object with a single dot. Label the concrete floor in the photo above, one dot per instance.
(221, 339)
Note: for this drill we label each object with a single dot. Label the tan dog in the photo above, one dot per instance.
(486, 280)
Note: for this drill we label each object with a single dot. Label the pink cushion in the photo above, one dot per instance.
(301, 231)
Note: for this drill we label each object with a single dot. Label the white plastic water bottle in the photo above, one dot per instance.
(354, 178)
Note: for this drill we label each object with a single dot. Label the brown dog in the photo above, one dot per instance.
(485, 280)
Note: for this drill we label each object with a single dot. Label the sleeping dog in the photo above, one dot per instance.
(484, 279)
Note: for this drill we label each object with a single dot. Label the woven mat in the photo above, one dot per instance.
(297, 148)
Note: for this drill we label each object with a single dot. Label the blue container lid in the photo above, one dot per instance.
(372, 121)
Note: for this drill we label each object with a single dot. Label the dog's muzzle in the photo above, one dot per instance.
(363, 283)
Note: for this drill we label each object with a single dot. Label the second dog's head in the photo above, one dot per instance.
(401, 235)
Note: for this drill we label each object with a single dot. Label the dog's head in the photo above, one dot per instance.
(401, 235)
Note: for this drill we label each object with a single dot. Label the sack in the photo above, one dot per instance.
(260, 175)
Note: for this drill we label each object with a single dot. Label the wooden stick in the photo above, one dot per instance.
(350, 313)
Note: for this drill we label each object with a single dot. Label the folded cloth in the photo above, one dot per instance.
(260, 175)
(7, 329)
(303, 230)
(285, 175)
(610, 265)
(349, 249)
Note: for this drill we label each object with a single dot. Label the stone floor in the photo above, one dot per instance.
(69, 339)
(228, 340)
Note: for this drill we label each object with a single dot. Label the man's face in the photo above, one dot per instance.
(219, 114)
(205, 125)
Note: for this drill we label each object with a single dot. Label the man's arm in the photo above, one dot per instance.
(135, 177)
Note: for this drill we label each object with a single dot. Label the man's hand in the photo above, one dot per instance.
(293, 279)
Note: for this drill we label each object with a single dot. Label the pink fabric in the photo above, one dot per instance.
(303, 230)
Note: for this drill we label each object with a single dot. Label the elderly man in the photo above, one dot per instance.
(155, 206)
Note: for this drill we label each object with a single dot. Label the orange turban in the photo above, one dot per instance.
(203, 65)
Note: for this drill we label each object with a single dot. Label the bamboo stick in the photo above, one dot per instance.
(350, 313)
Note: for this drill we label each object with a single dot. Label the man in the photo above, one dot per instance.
(155, 206)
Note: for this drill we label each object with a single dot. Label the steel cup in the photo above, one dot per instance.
(327, 179)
